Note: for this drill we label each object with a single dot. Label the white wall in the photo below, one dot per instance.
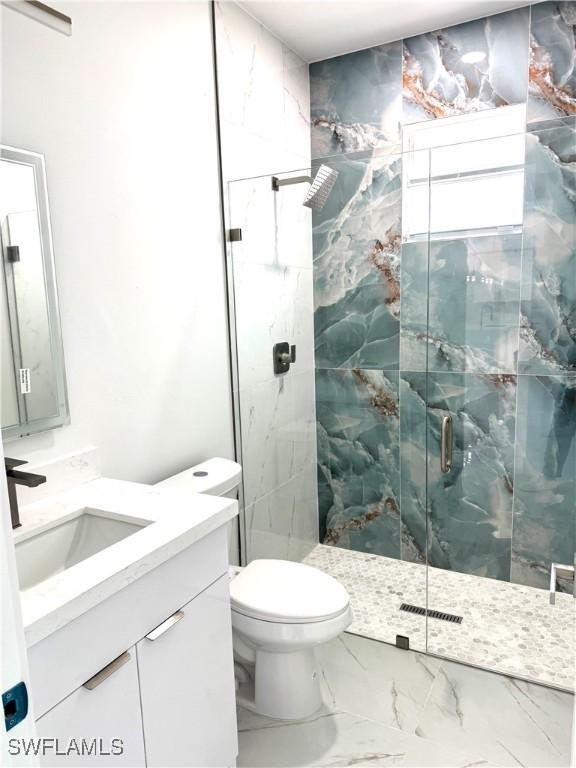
(265, 129)
(124, 112)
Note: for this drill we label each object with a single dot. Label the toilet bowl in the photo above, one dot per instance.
(281, 611)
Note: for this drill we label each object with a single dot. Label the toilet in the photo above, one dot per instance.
(281, 611)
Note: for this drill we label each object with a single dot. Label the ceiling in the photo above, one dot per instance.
(320, 29)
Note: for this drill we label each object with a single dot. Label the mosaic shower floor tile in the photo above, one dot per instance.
(505, 627)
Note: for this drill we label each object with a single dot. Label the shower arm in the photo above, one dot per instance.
(277, 183)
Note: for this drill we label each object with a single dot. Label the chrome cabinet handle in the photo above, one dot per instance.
(446, 438)
(105, 673)
(556, 570)
(165, 626)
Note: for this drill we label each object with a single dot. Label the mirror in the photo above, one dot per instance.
(33, 385)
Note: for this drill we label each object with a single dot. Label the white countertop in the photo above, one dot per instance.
(178, 519)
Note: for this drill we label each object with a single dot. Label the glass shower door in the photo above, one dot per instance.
(501, 410)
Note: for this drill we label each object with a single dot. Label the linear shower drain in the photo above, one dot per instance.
(432, 614)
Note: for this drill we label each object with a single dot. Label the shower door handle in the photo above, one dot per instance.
(446, 438)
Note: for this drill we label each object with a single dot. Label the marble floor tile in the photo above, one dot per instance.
(376, 681)
(424, 753)
(339, 739)
(386, 707)
(504, 720)
(327, 738)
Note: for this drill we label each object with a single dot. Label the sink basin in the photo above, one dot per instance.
(67, 542)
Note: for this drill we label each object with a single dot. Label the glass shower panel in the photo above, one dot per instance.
(271, 276)
(334, 448)
(501, 473)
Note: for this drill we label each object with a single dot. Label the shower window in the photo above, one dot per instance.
(476, 175)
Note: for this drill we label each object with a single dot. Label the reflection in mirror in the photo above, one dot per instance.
(33, 381)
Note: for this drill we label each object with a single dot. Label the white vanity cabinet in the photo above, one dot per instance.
(102, 718)
(185, 668)
(151, 665)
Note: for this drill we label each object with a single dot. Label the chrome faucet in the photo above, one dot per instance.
(15, 477)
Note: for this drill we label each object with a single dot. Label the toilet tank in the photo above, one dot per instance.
(216, 477)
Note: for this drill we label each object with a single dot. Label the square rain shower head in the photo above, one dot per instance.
(320, 188)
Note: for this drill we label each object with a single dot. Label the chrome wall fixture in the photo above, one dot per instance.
(320, 186)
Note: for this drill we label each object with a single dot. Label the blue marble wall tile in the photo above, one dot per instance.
(413, 420)
(472, 291)
(414, 302)
(548, 332)
(358, 460)
(438, 83)
(356, 100)
(470, 508)
(496, 306)
(552, 71)
(357, 266)
(545, 480)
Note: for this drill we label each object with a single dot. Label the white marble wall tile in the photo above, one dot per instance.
(263, 297)
(250, 66)
(293, 224)
(296, 123)
(276, 226)
(267, 452)
(506, 721)
(278, 432)
(284, 524)
(272, 305)
(264, 98)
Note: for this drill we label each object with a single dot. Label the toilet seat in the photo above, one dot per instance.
(280, 591)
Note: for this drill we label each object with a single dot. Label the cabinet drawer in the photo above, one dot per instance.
(64, 660)
(102, 716)
(187, 685)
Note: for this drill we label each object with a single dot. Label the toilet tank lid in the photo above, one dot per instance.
(214, 476)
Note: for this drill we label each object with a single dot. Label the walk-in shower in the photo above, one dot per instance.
(422, 446)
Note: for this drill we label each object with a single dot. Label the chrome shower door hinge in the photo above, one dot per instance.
(559, 571)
